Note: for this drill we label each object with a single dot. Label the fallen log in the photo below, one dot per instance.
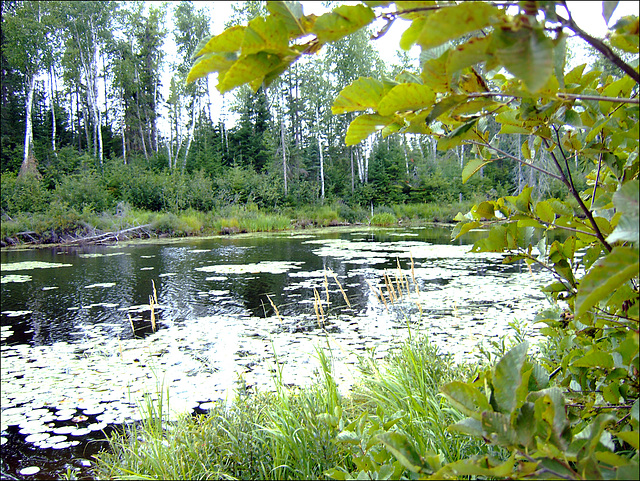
(106, 236)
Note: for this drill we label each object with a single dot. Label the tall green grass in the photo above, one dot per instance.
(299, 433)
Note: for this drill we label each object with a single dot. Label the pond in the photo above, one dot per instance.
(88, 331)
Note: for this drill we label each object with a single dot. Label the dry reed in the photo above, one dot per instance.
(274, 308)
(344, 294)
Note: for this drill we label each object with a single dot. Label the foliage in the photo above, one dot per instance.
(574, 414)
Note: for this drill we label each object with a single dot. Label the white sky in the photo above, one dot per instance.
(587, 14)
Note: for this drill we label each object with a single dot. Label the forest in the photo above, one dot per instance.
(85, 130)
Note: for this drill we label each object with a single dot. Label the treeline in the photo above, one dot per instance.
(81, 105)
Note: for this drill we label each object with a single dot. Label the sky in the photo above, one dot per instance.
(586, 14)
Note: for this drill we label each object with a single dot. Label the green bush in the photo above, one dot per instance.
(84, 190)
(23, 194)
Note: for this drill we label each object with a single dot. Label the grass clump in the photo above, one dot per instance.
(303, 433)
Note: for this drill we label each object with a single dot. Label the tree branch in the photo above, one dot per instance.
(600, 46)
(576, 195)
(509, 156)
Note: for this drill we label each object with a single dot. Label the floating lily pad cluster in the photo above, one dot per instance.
(57, 394)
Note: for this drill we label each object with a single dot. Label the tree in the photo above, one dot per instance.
(26, 48)
(574, 414)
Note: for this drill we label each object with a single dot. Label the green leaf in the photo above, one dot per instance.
(348, 437)
(452, 22)
(362, 94)
(526, 53)
(246, 69)
(472, 167)
(457, 136)
(342, 21)
(630, 437)
(525, 424)
(626, 202)
(210, 63)
(545, 212)
(408, 96)
(228, 41)
(469, 426)
(443, 106)
(466, 398)
(607, 10)
(468, 54)
(291, 15)
(400, 446)
(606, 275)
(507, 377)
(477, 466)
(265, 35)
(497, 428)
(461, 229)
(595, 358)
(364, 125)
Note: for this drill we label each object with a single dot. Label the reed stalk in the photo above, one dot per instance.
(274, 308)
(344, 294)
(326, 286)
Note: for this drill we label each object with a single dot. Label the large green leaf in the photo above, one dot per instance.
(507, 377)
(341, 22)
(527, 54)
(400, 446)
(472, 167)
(606, 275)
(228, 41)
(470, 53)
(210, 63)
(246, 69)
(291, 15)
(265, 35)
(364, 125)
(595, 358)
(407, 96)
(362, 94)
(626, 202)
(497, 428)
(449, 23)
(466, 398)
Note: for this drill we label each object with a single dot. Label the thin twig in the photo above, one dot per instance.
(576, 196)
(509, 156)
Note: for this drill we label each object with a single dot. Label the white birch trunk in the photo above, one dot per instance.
(321, 157)
(53, 114)
(28, 134)
(284, 156)
(196, 106)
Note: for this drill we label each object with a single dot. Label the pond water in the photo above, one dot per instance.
(87, 332)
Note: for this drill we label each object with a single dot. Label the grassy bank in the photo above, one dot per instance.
(306, 433)
(61, 223)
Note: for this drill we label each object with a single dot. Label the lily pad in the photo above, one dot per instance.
(28, 265)
(30, 470)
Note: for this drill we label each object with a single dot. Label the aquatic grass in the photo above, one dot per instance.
(408, 382)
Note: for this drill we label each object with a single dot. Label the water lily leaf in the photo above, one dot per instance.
(606, 275)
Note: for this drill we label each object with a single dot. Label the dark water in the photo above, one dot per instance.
(102, 286)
